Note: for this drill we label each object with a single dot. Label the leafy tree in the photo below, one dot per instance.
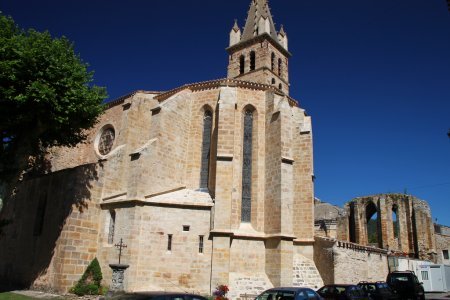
(46, 98)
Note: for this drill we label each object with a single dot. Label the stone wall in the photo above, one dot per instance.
(442, 235)
(348, 263)
(53, 232)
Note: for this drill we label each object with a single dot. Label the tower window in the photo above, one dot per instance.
(169, 242)
(252, 60)
(280, 86)
(280, 65)
(206, 149)
(112, 225)
(242, 64)
(445, 254)
(273, 80)
(272, 63)
(186, 227)
(247, 167)
(200, 244)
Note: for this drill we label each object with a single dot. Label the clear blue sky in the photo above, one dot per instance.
(373, 74)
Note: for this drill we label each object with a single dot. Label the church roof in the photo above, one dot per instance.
(223, 82)
(258, 9)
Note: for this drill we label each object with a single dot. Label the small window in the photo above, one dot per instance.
(445, 254)
(280, 86)
(424, 275)
(186, 227)
(273, 80)
(169, 242)
(200, 244)
(112, 225)
(40, 215)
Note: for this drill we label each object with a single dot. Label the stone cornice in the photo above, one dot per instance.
(258, 39)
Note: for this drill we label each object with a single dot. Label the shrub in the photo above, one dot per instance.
(90, 282)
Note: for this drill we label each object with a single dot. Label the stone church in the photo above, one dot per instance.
(209, 183)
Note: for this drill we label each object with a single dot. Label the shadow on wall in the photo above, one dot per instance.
(34, 220)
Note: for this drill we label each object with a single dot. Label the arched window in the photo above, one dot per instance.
(273, 80)
(273, 62)
(279, 66)
(280, 86)
(112, 226)
(247, 166)
(242, 64)
(373, 226)
(206, 149)
(395, 221)
(252, 60)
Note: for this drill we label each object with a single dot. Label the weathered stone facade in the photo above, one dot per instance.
(414, 234)
(442, 234)
(168, 178)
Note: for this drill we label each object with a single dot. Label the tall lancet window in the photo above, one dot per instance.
(206, 150)
(242, 64)
(252, 60)
(280, 66)
(247, 167)
(273, 62)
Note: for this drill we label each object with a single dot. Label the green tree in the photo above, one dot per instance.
(46, 98)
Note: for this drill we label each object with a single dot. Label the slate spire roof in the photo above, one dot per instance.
(258, 9)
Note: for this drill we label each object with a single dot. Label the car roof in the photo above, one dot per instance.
(341, 285)
(154, 293)
(291, 289)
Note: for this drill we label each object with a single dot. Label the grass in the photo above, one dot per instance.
(13, 296)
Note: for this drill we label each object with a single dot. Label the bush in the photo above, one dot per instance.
(90, 282)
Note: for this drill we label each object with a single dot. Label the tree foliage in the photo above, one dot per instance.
(46, 96)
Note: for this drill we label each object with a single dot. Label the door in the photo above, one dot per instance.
(437, 283)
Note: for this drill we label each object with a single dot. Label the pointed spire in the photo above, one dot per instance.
(235, 34)
(282, 32)
(259, 21)
(236, 26)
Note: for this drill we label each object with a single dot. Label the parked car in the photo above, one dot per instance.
(406, 285)
(289, 293)
(342, 292)
(379, 290)
(156, 296)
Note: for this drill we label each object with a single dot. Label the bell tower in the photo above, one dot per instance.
(259, 53)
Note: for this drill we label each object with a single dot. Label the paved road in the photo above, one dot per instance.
(437, 296)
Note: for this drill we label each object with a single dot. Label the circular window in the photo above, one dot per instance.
(106, 141)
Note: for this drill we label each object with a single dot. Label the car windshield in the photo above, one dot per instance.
(399, 278)
(276, 295)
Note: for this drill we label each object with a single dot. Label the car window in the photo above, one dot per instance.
(285, 295)
(311, 294)
(302, 296)
(269, 295)
(176, 298)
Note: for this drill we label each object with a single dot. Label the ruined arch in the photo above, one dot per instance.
(373, 225)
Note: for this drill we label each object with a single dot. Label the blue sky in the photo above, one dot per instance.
(373, 74)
